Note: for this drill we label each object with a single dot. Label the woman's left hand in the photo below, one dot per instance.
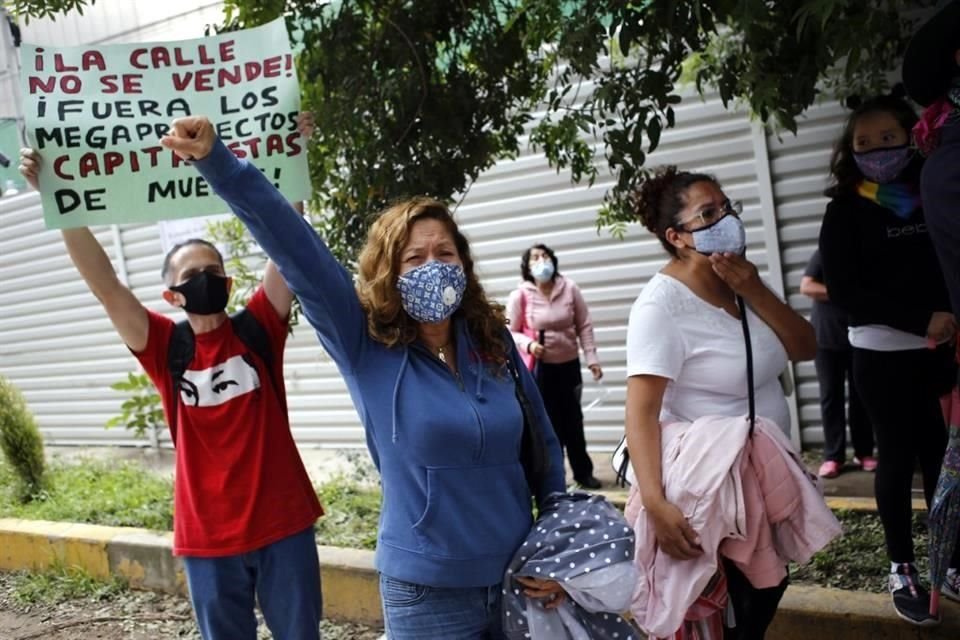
(305, 123)
(596, 371)
(738, 273)
(548, 590)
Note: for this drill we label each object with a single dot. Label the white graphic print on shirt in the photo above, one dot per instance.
(220, 383)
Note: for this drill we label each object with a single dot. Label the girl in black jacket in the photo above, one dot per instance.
(880, 267)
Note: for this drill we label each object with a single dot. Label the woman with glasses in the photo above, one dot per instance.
(686, 355)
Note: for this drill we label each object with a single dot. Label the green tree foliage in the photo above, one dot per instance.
(21, 443)
(142, 411)
(420, 96)
(44, 8)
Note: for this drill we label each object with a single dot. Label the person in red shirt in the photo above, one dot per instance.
(244, 505)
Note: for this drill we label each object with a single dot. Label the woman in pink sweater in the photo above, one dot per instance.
(547, 316)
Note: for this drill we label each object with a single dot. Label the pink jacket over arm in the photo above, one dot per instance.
(751, 501)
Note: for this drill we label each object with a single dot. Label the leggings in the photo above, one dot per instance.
(899, 390)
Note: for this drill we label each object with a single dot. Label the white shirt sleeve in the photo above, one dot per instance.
(654, 345)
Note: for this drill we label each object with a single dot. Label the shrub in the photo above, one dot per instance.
(21, 442)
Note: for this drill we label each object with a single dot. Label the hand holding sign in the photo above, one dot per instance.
(190, 138)
(95, 114)
(30, 167)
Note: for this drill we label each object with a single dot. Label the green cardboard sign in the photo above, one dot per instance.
(96, 115)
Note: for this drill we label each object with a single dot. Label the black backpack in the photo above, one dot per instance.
(180, 353)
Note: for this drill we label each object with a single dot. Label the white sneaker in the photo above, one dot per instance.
(951, 586)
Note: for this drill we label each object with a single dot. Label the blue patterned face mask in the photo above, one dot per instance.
(433, 291)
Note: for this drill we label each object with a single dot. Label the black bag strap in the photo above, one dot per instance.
(621, 471)
(179, 356)
(181, 350)
(751, 393)
(533, 449)
(253, 336)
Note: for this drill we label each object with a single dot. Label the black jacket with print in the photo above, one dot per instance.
(880, 268)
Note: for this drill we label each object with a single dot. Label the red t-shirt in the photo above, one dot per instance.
(240, 484)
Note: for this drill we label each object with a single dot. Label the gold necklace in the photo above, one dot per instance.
(442, 352)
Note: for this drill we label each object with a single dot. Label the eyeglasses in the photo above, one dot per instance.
(709, 215)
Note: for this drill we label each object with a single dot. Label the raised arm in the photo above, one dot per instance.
(128, 316)
(278, 293)
(325, 288)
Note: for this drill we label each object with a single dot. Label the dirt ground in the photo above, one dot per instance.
(131, 615)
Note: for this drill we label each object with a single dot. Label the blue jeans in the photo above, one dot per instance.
(284, 577)
(417, 612)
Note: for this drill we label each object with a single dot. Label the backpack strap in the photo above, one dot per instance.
(179, 356)
(255, 338)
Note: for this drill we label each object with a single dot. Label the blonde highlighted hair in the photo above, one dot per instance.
(379, 269)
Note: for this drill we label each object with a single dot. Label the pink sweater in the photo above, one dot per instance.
(564, 318)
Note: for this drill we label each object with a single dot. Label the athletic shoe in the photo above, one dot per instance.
(951, 586)
(910, 600)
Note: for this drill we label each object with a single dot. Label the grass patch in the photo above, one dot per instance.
(126, 494)
(60, 584)
(858, 559)
(352, 513)
(106, 493)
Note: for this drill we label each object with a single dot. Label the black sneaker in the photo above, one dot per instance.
(910, 600)
(589, 483)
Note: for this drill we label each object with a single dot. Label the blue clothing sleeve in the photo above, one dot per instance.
(556, 476)
(324, 287)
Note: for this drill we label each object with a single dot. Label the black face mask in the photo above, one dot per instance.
(205, 293)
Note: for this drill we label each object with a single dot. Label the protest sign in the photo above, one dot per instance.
(96, 115)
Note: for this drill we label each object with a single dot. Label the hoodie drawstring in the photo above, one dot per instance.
(396, 391)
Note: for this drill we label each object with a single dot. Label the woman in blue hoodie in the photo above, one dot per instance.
(424, 355)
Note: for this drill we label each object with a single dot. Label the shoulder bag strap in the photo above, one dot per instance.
(751, 394)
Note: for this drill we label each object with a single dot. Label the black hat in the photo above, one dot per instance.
(929, 64)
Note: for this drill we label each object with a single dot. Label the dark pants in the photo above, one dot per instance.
(834, 368)
(284, 577)
(900, 391)
(561, 386)
(753, 609)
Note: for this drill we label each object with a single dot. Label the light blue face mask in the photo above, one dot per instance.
(542, 270)
(433, 291)
(726, 235)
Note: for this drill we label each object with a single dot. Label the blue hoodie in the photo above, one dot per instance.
(456, 504)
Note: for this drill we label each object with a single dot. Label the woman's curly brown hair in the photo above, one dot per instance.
(662, 196)
(379, 268)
